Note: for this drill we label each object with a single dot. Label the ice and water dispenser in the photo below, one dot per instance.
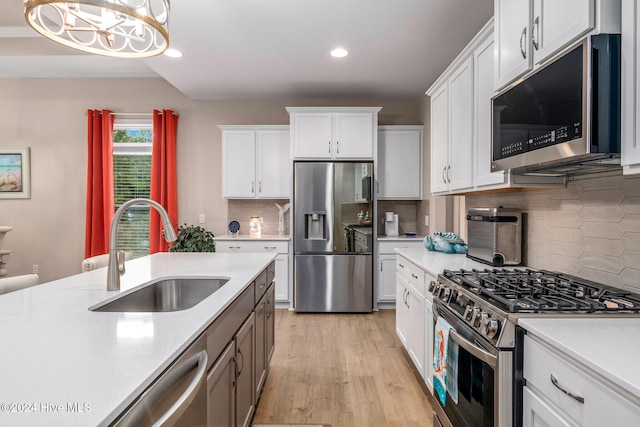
(315, 226)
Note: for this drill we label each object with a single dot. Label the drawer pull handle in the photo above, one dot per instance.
(402, 266)
(270, 248)
(234, 247)
(414, 276)
(554, 380)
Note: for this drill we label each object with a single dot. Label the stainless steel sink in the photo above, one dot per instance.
(164, 295)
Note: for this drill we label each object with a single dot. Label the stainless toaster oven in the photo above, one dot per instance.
(495, 236)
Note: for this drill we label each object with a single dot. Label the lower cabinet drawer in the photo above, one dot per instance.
(579, 395)
(243, 246)
(412, 273)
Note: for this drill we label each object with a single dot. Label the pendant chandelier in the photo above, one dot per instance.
(120, 28)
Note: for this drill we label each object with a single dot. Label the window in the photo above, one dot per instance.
(132, 144)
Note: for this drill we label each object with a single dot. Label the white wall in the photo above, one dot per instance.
(48, 115)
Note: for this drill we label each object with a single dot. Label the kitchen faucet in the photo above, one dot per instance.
(114, 270)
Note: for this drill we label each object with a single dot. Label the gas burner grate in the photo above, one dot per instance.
(527, 290)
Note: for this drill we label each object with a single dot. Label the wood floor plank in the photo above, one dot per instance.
(345, 370)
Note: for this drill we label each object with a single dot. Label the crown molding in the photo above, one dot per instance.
(17, 31)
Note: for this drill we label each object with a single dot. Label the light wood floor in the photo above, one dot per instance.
(347, 370)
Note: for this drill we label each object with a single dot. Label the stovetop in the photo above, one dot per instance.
(491, 300)
(541, 291)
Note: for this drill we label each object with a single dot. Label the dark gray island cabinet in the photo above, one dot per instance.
(239, 344)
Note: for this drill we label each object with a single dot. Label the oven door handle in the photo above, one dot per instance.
(476, 351)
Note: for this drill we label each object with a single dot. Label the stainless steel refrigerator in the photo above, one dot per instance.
(331, 199)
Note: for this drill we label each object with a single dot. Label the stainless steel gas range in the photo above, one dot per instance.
(482, 308)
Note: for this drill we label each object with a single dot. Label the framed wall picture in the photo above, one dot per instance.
(15, 173)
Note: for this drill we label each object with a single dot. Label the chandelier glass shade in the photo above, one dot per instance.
(119, 28)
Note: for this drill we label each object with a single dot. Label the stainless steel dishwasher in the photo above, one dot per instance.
(178, 397)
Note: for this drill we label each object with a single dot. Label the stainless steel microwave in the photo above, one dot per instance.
(564, 119)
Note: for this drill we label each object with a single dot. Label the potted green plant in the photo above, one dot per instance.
(193, 238)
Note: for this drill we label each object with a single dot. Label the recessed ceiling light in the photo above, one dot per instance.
(173, 53)
(339, 52)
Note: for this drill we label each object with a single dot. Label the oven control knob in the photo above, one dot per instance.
(468, 312)
(446, 293)
(477, 313)
(493, 327)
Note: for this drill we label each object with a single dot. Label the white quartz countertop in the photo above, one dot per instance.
(54, 352)
(436, 262)
(400, 238)
(608, 347)
(247, 237)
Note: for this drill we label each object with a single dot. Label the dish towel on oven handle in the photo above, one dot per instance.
(445, 363)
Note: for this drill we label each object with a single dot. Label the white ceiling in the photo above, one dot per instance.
(261, 49)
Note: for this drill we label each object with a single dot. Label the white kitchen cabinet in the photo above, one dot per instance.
(461, 125)
(560, 391)
(226, 244)
(333, 133)
(537, 413)
(482, 94)
(412, 322)
(452, 130)
(399, 174)
(255, 162)
(630, 87)
(528, 32)
(386, 272)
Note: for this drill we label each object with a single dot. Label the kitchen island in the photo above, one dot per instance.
(62, 364)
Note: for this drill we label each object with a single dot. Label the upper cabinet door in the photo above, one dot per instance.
(483, 92)
(528, 32)
(333, 133)
(400, 162)
(238, 163)
(439, 139)
(273, 164)
(459, 171)
(312, 135)
(512, 37)
(353, 135)
(557, 23)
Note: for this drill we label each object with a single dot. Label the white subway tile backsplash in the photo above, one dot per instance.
(631, 187)
(557, 219)
(603, 230)
(631, 259)
(602, 213)
(631, 241)
(565, 248)
(572, 235)
(631, 278)
(566, 206)
(591, 228)
(602, 246)
(631, 205)
(608, 183)
(631, 223)
(602, 198)
(604, 263)
(601, 277)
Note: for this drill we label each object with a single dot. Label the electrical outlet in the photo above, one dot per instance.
(36, 269)
(426, 220)
(201, 218)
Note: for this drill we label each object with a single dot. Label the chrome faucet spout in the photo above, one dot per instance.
(114, 270)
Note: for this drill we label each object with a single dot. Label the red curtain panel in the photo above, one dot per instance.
(100, 208)
(164, 182)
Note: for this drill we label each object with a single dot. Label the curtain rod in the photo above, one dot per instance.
(133, 114)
